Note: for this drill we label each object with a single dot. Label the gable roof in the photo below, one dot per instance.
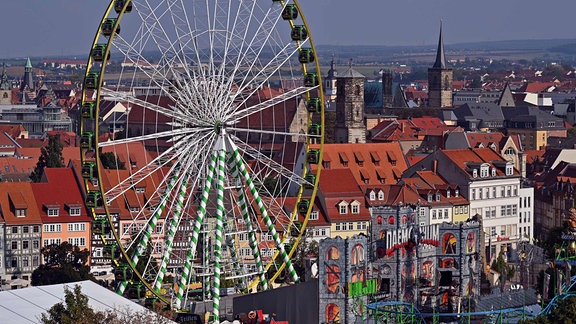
(59, 189)
(18, 195)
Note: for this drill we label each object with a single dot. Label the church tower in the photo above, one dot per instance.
(5, 88)
(330, 82)
(387, 94)
(350, 127)
(440, 79)
(28, 82)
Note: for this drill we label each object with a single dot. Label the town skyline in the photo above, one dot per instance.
(38, 32)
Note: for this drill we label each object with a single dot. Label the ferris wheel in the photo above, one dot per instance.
(196, 124)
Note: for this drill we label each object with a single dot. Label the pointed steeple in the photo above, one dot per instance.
(28, 81)
(440, 58)
(28, 64)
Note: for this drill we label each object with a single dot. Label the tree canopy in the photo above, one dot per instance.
(564, 312)
(62, 263)
(77, 310)
(111, 161)
(50, 157)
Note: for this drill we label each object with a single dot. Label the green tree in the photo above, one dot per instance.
(62, 263)
(76, 310)
(111, 161)
(50, 157)
(564, 312)
(501, 266)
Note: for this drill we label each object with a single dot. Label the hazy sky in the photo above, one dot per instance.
(54, 27)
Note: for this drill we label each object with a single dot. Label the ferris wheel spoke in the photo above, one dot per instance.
(271, 164)
(253, 243)
(176, 151)
(170, 133)
(120, 96)
(257, 43)
(151, 224)
(193, 239)
(245, 113)
(259, 79)
(153, 72)
(264, 212)
(272, 132)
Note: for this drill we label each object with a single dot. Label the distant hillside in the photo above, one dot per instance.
(555, 45)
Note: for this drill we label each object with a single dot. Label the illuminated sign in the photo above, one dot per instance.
(399, 238)
(361, 288)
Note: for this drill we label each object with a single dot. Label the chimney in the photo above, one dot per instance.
(434, 166)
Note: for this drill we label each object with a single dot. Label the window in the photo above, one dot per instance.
(509, 169)
(20, 212)
(77, 227)
(52, 241)
(314, 215)
(139, 190)
(14, 229)
(514, 209)
(361, 226)
(25, 245)
(74, 211)
(502, 230)
(437, 196)
(35, 244)
(78, 241)
(350, 226)
(493, 192)
(502, 191)
(14, 245)
(343, 208)
(484, 171)
(355, 209)
(25, 229)
(473, 195)
(36, 229)
(429, 197)
(25, 262)
(14, 262)
(493, 172)
(487, 212)
(372, 195)
(493, 230)
(493, 211)
(337, 226)
(53, 228)
(381, 195)
(422, 212)
(445, 213)
(53, 211)
(434, 214)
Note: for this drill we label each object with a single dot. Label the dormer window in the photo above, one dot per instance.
(355, 207)
(52, 210)
(139, 190)
(493, 172)
(343, 208)
(73, 210)
(448, 193)
(21, 212)
(475, 173)
(372, 196)
(456, 192)
(429, 197)
(484, 169)
(509, 169)
(437, 196)
(381, 195)
(314, 215)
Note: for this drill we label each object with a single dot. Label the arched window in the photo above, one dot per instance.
(381, 195)
(332, 253)
(391, 220)
(357, 255)
(372, 195)
(379, 220)
(356, 90)
(332, 313)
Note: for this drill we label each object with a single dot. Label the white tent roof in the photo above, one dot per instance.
(26, 305)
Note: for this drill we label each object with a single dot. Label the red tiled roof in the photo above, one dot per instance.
(21, 194)
(387, 158)
(60, 189)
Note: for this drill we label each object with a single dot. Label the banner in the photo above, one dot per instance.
(546, 285)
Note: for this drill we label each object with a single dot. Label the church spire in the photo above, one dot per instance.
(440, 58)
